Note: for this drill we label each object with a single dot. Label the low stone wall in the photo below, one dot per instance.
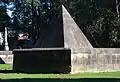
(86, 60)
(96, 60)
(6, 56)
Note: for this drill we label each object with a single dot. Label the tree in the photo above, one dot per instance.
(4, 24)
(100, 23)
(4, 18)
(29, 15)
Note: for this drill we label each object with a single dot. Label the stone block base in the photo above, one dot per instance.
(42, 60)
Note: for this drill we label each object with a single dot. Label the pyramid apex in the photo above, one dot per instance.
(74, 38)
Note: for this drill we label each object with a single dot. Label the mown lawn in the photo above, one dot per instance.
(75, 76)
(79, 77)
(5, 66)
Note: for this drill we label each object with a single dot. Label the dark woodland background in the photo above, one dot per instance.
(98, 19)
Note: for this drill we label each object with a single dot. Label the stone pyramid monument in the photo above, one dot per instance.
(73, 36)
(63, 32)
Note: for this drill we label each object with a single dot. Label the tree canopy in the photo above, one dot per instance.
(99, 20)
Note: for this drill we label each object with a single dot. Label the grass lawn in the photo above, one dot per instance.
(79, 77)
(5, 66)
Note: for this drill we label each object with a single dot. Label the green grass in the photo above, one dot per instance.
(75, 76)
(79, 77)
(5, 66)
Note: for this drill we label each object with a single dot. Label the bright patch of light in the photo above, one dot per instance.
(10, 9)
(9, 13)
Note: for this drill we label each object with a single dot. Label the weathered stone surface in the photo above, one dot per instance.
(47, 60)
(88, 60)
(73, 36)
(96, 60)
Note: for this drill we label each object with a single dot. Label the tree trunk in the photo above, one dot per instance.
(118, 15)
(6, 41)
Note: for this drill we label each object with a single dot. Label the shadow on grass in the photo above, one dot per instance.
(36, 72)
(9, 71)
(62, 80)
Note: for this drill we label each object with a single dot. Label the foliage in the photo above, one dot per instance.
(28, 14)
(100, 24)
(4, 18)
(106, 29)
